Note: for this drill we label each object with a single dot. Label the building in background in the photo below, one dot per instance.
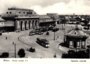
(55, 17)
(45, 21)
(18, 19)
(76, 39)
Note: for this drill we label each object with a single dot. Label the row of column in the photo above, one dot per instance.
(25, 25)
(80, 45)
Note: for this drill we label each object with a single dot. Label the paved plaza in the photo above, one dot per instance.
(23, 40)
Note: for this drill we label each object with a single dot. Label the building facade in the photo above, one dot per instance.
(76, 39)
(21, 19)
(45, 21)
(24, 19)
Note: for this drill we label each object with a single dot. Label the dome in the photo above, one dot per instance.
(77, 32)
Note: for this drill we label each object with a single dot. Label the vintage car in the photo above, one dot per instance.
(43, 42)
(35, 32)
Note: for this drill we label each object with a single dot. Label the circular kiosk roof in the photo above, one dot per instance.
(77, 33)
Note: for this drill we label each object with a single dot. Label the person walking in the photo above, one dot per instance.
(6, 37)
(54, 56)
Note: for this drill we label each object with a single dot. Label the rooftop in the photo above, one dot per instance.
(44, 16)
(77, 32)
(31, 16)
(14, 8)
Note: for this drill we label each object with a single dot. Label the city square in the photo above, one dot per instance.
(23, 40)
(44, 31)
(30, 41)
(26, 34)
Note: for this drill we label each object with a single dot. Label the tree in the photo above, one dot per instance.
(21, 52)
(4, 55)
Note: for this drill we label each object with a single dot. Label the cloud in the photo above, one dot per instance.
(74, 6)
(50, 6)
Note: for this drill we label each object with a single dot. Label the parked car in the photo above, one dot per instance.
(38, 31)
(35, 32)
(0, 33)
(31, 49)
(32, 33)
(44, 29)
(50, 28)
(43, 42)
(55, 29)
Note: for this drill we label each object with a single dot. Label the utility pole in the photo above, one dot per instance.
(14, 49)
(54, 35)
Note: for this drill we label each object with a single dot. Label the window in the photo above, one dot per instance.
(23, 12)
(78, 44)
(10, 12)
(71, 44)
(29, 12)
(7, 12)
(83, 45)
(19, 12)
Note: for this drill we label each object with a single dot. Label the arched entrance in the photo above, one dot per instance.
(17, 25)
(36, 24)
(21, 28)
(25, 25)
(29, 24)
(33, 24)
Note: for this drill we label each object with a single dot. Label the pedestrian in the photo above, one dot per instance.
(57, 36)
(18, 38)
(6, 37)
(55, 56)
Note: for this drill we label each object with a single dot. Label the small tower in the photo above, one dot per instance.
(76, 39)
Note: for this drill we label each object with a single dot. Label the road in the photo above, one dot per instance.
(27, 41)
(42, 52)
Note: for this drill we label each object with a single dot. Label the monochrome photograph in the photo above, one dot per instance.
(45, 29)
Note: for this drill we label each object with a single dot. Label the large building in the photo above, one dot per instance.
(19, 19)
(23, 19)
(45, 21)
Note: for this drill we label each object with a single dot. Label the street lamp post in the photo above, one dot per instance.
(14, 49)
(55, 30)
(54, 35)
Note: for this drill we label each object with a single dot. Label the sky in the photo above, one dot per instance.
(49, 6)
